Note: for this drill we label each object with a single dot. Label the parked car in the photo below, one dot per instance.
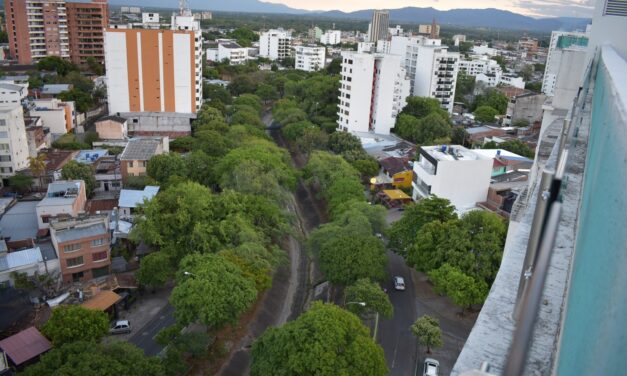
(399, 283)
(431, 367)
(121, 327)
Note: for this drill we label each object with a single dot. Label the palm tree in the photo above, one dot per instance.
(37, 166)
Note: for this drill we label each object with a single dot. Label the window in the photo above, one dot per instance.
(5, 158)
(100, 256)
(130, 164)
(70, 247)
(73, 262)
(97, 242)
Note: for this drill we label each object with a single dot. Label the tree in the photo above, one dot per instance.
(520, 123)
(517, 147)
(420, 107)
(463, 289)
(37, 166)
(486, 114)
(492, 98)
(334, 67)
(244, 36)
(428, 333)
(370, 293)
(163, 166)
(433, 129)
(84, 101)
(242, 84)
(251, 100)
(526, 72)
(500, 61)
(465, 86)
(74, 170)
(20, 182)
(56, 64)
(459, 136)
(94, 66)
(155, 269)
(534, 86)
(212, 290)
(326, 340)
(267, 93)
(87, 358)
(403, 232)
(70, 323)
(211, 92)
(340, 142)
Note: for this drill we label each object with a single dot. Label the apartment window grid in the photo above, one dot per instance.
(74, 262)
(98, 242)
(100, 256)
(72, 248)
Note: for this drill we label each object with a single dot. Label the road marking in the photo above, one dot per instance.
(395, 348)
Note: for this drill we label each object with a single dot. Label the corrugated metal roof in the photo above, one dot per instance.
(20, 258)
(20, 222)
(78, 233)
(141, 149)
(102, 301)
(25, 345)
(55, 88)
(132, 198)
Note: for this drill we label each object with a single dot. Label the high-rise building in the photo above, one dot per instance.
(561, 41)
(37, 29)
(310, 58)
(379, 27)
(275, 44)
(331, 37)
(86, 23)
(155, 70)
(431, 30)
(432, 69)
(373, 91)
(14, 150)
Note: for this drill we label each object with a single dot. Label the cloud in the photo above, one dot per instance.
(557, 8)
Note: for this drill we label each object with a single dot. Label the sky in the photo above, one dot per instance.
(534, 8)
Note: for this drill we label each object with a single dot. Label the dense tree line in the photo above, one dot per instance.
(423, 122)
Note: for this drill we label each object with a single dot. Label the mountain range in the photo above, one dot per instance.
(488, 18)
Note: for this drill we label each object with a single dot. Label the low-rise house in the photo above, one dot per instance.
(37, 137)
(526, 107)
(64, 198)
(29, 261)
(137, 153)
(58, 116)
(107, 174)
(131, 199)
(83, 246)
(398, 171)
(112, 128)
(25, 346)
(452, 172)
(54, 160)
(12, 94)
(53, 90)
(227, 50)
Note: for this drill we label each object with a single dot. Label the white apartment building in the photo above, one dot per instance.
(11, 94)
(511, 80)
(155, 71)
(57, 115)
(331, 37)
(366, 47)
(561, 41)
(373, 90)
(14, 150)
(479, 65)
(452, 172)
(310, 58)
(275, 44)
(228, 50)
(150, 18)
(484, 50)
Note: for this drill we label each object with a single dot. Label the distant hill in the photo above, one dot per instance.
(489, 18)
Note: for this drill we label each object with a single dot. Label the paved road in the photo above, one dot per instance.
(144, 339)
(394, 335)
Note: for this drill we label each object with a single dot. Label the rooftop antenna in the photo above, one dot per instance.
(184, 8)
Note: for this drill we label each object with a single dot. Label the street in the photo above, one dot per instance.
(145, 337)
(395, 337)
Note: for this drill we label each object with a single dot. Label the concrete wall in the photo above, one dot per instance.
(111, 130)
(172, 125)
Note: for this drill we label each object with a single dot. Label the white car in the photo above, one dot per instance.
(399, 283)
(121, 327)
(432, 367)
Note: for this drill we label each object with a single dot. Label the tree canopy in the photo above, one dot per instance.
(155, 269)
(370, 293)
(74, 170)
(70, 323)
(428, 333)
(326, 340)
(486, 114)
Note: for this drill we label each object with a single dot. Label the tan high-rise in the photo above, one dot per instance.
(37, 29)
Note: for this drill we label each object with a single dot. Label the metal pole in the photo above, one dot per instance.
(376, 327)
(523, 333)
(534, 238)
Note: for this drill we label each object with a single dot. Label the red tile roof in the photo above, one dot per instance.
(25, 345)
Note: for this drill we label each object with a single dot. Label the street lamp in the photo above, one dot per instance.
(376, 319)
(189, 274)
(363, 304)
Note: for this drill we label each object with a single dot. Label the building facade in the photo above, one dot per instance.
(69, 30)
(137, 153)
(154, 70)
(275, 44)
(561, 41)
(14, 151)
(331, 37)
(83, 246)
(56, 115)
(434, 72)
(228, 49)
(379, 27)
(373, 91)
(310, 58)
(64, 198)
(452, 172)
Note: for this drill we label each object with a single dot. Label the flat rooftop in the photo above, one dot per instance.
(452, 153)
(20, 222)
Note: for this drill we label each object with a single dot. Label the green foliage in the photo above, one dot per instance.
(173, 362)
(255, 261)
(248, 100)
(534, 86)
(56, 64)
(70, 323)
(138, 182)
(244, 36)
(163, 166)
(155, 269)
(78, 171)
(340, 142)
(69, 142)
(465, 86)
(521, 123)
(492, 98)
(242, 84)
(267, 93)
(428, 333)
(84, 101)
(501, 62)
(324, 341)
(465, 47)
(423, 121)
(94, 66)
(168, 334)
(515, 146)
(463, 289)
(211, 92)
(215, 293)
(20, 182)
(403, 232)
(306, 136)
(87, 358)
(420, 107)
(486, 114)
(334, 67)
(459, 136)
(366, 291)
(91, 137)
(246, 115)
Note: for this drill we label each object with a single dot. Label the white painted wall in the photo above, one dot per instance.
(309, 58)
(13, 141)
(182, 73)
(331, 37)
(355, 92)
(117, 72)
